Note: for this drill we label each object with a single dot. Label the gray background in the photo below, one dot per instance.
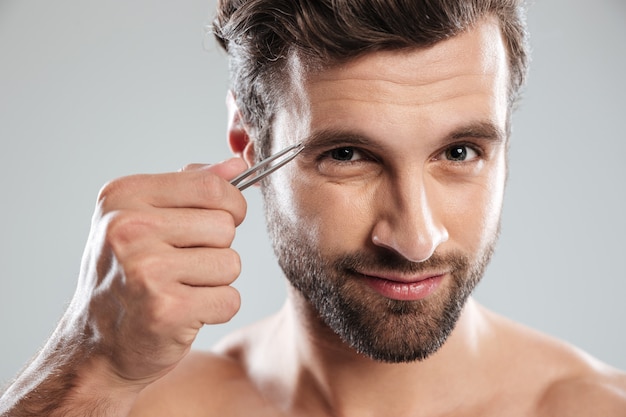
(92, 90)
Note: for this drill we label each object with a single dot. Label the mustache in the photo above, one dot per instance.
(388, 261)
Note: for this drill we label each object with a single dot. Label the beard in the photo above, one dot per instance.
(383, 329)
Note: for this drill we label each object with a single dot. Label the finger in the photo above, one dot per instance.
(133, 232)
(213, 305)
(159, 272)
(227, 169)
(194, 167)
(187, 228)
(206, 188)
(202, 267)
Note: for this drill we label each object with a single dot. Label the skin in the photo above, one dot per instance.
(403, 195)
(155, 237)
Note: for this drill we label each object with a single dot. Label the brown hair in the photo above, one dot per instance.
(259, 36)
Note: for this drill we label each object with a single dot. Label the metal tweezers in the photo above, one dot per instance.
(257, 171)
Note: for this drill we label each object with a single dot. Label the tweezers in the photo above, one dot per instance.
(264, 168)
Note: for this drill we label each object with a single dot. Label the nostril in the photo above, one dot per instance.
(415, 244)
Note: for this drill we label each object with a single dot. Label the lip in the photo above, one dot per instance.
(404, 288)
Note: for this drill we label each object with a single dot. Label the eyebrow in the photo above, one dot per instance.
(326, 138)
(336, 137)
(479, 130)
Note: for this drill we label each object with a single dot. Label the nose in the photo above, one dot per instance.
(409, 220)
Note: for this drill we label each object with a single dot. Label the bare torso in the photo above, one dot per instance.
(514, 371)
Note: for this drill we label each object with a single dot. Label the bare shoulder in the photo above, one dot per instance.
(565, 380)
(193, 384)
(203, 384)
(209, 383)
(591, 390)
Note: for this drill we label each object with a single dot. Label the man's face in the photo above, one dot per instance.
(385, 222)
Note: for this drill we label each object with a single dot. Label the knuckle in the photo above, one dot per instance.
(142, 272)
(109, 189)
(119, 231)
(219, 194)
(161, 311)
(112, 191)
(125, 227)
(159, 315)
(162, 314)
(212, 187)
(192, 167)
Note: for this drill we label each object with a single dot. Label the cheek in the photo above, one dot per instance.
(337, 217)
(472, 216)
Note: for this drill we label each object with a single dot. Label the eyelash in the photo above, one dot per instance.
(364, 155)
(471, 146)
(328, 155)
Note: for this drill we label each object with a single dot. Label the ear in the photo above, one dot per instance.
(238, 138)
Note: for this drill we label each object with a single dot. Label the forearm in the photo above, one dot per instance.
(67, 379)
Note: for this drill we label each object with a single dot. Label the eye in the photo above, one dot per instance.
(460, 153)
(347, 163)
(345, 154)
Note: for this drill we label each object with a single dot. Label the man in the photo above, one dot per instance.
(383, 225)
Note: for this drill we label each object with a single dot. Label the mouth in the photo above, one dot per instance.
(403, 287)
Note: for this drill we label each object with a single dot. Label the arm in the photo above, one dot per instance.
(157, 267)
(64, 376)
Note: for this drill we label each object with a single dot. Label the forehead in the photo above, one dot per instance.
(464, 74)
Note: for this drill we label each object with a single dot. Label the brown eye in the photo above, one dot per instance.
(460, 153)
(457, 153)
(342, 154)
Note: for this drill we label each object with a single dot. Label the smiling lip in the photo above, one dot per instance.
(405, 288)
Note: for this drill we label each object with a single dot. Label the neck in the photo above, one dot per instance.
(333, 378)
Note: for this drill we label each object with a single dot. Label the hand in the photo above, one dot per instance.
(158, 266)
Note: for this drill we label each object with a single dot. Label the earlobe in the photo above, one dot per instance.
(238, 137)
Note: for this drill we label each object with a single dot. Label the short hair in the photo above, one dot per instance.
(260, 35)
